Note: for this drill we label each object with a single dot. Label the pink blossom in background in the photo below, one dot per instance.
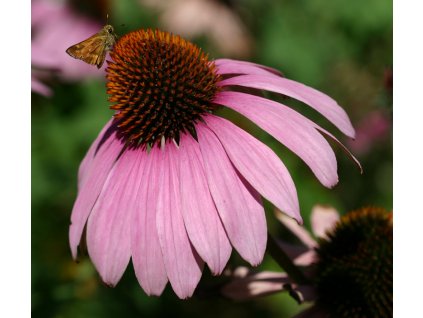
(195, 18)
(371, 130)
(347, 267)
(248, 285)
(181, 202)
(323, 219)
(55, 27)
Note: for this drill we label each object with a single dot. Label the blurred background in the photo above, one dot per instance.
(343, 48)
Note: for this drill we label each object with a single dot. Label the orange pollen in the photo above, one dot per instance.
(159, 85)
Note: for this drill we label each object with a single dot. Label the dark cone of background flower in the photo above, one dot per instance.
(354, 272)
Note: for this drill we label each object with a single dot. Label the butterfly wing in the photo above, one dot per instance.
(92, 50)
(100, 56)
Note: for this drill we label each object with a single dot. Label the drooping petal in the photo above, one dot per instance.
(242, 215)
(228, 66)
(40, 88)
(108, 227)
(256, 285)
(248, 285)
(91, 187)
(201, 219)
(323, 218)
(182, 263)
(306, 259)
(343, 147)
(317, 100)
(292, 250)
(89, 157)
(299, 231)
(258, 164)
(290, 128)
(145, 246)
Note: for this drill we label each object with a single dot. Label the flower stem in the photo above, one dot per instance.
(279, 255)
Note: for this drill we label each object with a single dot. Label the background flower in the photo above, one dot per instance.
(56, 26)
(348, 269)
(372, 130)
(195, 18)
(248, 285)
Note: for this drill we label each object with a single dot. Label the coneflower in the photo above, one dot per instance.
(172, 185)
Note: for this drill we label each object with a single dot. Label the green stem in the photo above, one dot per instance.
(279, 255)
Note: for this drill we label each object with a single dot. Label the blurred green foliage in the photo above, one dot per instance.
(341, 47)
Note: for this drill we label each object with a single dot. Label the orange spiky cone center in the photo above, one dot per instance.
(160, 85)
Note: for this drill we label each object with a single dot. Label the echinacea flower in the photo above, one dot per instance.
(172, 185)
(55, 27)
(194, 18)
(348, 265)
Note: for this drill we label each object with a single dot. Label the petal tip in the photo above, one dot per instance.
(257, 258)
(109, 284)
(217, 269)
(299, 220)
(184, 294)
(330, 184)
(255, 263)
(74, 255)
(152, 293)
(351, 133)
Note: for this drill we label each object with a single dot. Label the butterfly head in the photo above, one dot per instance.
(109, 29)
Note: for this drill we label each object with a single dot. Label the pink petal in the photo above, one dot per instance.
(227, 66)
(258, 164)
(40, 88)
(108, 227)
(89, 157)
(88, 193)
(345, 149)
(306, 259)
(292, 250)
(242, 215)
(42, 11)
(319, 101)
(246, 285)
(145, 246)
(183, 266)
(256, 285)
(290, 128)
(323, 219)
(299, 231)
(205, 230)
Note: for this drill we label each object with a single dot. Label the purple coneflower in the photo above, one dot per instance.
(172, 185)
